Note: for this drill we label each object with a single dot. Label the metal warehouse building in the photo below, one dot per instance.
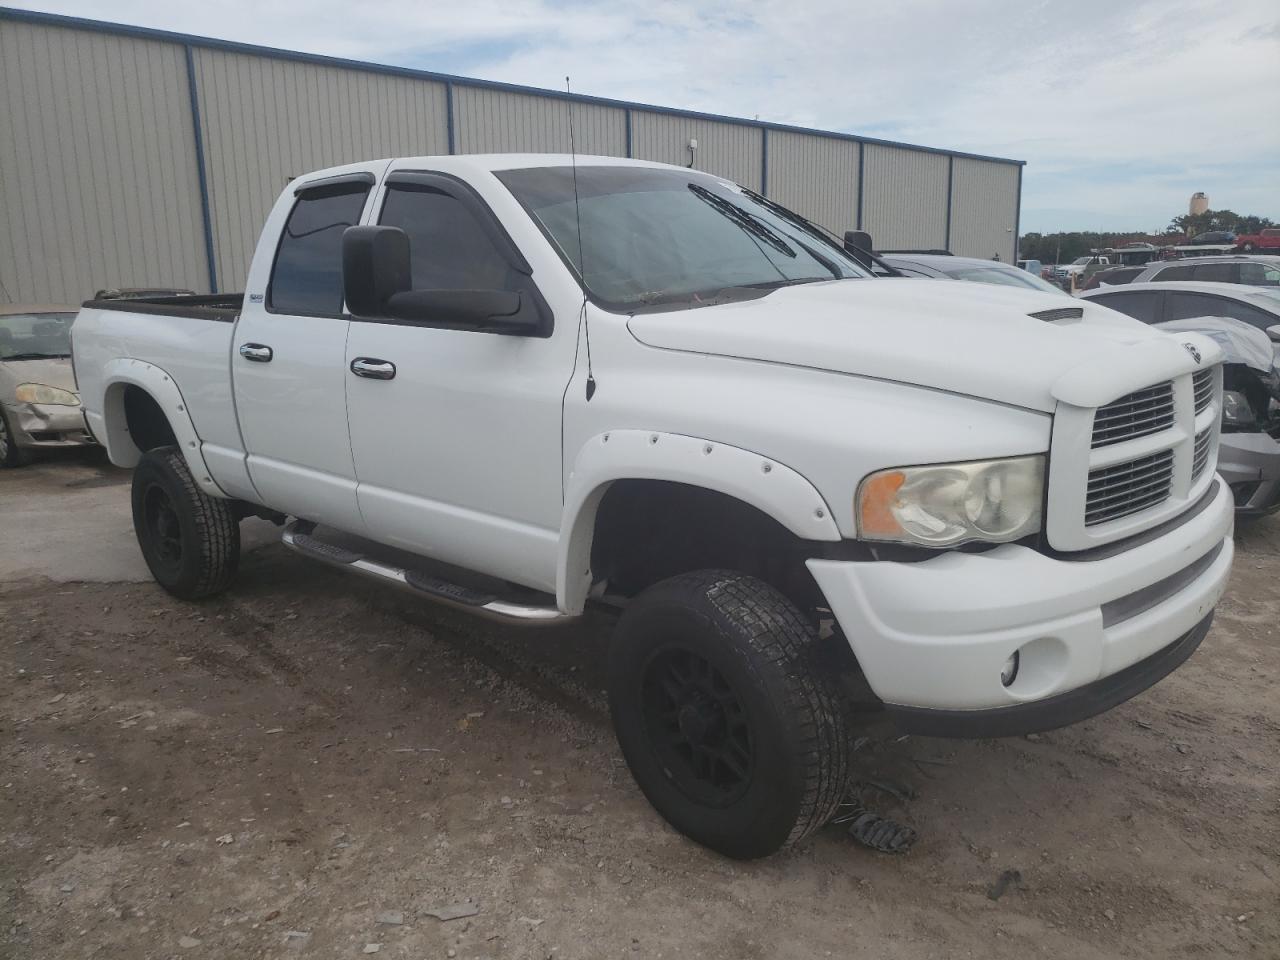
(133, 157)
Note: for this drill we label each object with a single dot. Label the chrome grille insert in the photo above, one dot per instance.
(1200, 454)
(1136, 414)
(1128, 488)
(1202, 387)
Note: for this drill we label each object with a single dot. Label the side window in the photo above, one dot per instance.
(1186, 305)
(307, 276)
(1183, 272)
(1218, 272)
(449, 249)
(1139, 305)
(1260, 274)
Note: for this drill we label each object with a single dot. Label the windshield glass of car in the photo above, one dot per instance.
(1005, 277)
(654, 237)
(33, 336)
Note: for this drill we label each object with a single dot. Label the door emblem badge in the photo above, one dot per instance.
(1195, 354)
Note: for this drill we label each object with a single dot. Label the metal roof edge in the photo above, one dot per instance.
(232, 46)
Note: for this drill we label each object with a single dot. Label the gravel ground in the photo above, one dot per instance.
(313, 766)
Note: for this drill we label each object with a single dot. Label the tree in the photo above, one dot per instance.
(1193, 224)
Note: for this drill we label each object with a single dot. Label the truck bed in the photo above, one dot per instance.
(224, 307)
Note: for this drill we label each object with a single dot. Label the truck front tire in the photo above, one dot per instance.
(728, 725)
(191, 541)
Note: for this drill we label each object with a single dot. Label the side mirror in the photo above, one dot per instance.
(1274, 332)
(377, 282)
(375, 267)
(856, 241)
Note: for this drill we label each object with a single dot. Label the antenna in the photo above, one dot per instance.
(582, 253)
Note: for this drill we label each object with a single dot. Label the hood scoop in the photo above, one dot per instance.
(1061, 313)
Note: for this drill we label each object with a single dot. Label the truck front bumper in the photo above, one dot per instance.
(933, 637)
(43, 425)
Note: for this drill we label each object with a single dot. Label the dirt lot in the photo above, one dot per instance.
(311, 765)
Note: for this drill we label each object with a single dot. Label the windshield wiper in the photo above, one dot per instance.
(743, 219)
(35, 356)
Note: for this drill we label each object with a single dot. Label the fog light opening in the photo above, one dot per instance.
(1010, 671)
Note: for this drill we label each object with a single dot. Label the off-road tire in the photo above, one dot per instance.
(194, 550)
(766, 653)
(11, 455)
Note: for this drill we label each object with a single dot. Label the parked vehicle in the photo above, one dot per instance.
(1163, 301)
(679, 399)
(1254, 271)
(1213, 237)
(39, 407)
(1268, 239)
(968, 268)
(1033, 267)
(1064, 271)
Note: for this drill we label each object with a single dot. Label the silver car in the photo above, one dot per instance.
(39, 406)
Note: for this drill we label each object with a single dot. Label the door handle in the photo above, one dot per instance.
(257, 352)
(373, 368)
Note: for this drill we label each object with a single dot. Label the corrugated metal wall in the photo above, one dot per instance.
(816, 177)
(497, 121)
(99, 182)
(984, 209)
(725, 149)
(97, 165)
(904, 205)
(266, 120)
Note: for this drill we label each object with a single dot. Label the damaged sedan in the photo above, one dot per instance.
(39, 405)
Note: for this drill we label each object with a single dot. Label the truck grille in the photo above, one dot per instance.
(1131, 463)
(1202, 386)
(1200, 454)
(1136, 414)
(1128, 488)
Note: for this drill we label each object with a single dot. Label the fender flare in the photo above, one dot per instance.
(771, 487)
(112, 427)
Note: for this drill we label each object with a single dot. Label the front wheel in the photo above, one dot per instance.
(725, 719)
(191, 541)
(11, 455)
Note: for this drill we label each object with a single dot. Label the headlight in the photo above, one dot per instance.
(951, 503)
(43, 393)
(1236, 411)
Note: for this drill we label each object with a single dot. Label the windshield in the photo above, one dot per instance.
(1081, 260)
(664, 237)
(1004, 276)
(32, 336)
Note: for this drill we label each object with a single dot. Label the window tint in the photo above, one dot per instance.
(1217, 272)
(1139, 305)
(1113, 278)
(1259, 274)
(307, 276)
(1183, 306)
(1183, 272)
(449, 248)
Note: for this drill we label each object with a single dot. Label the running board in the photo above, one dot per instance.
(297, 537)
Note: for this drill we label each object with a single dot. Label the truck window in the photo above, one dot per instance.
(1141, 305)
(448, 248)
(306, 279)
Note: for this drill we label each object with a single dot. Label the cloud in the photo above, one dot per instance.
(1121, 110)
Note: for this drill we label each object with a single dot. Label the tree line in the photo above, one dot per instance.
(1065, 247)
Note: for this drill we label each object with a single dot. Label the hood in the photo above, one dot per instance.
(968, 338)
(54, 372)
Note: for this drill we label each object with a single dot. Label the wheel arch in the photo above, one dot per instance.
(143, 408)
(757, 482)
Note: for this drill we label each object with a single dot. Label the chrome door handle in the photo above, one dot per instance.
(257, 352)
(373, 368)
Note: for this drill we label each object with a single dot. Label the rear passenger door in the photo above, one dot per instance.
(288, 354)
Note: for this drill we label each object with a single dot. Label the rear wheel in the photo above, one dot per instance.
(724, 717)
(190, 541)
(11, 455)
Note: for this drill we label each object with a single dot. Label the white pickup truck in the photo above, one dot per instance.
(522, 386)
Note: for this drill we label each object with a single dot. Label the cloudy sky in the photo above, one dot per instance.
(1121, 109)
